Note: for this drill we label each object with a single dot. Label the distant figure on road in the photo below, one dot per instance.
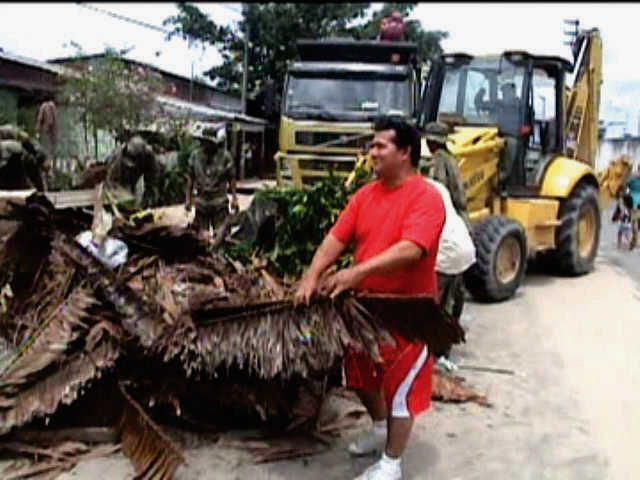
(633, 188)
(623, 215)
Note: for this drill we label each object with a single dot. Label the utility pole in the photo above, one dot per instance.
(245, 77)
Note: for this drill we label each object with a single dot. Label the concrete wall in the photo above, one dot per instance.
(612, 148)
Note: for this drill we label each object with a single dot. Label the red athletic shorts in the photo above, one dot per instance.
(404, 375)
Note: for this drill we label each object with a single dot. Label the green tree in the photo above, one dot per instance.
(275, 28)
(109, 95)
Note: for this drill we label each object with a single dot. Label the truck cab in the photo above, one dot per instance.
(331, 98)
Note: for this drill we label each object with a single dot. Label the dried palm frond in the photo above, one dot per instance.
(450, 388)
(416, 318)
(272, 338)
(62, 386)
(51, 461)
(137, 316)
(50, 341)
(152, 453)
(266, 450)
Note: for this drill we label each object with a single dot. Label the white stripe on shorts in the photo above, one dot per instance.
(399, 405)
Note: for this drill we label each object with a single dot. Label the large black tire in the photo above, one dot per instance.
(570, 258)
(482, 280)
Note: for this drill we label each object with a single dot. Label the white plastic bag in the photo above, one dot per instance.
(111, 252)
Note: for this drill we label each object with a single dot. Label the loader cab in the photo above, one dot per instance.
(520, 94)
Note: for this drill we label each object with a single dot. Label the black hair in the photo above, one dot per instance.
(405, 135)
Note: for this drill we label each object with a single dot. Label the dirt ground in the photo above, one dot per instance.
(567, 412)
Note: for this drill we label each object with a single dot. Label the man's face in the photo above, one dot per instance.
(387, 159)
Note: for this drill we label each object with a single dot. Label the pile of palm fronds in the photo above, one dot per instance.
(176, 302)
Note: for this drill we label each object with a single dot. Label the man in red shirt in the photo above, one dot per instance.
(395, 222)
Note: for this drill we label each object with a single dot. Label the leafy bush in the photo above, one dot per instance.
(305, 217)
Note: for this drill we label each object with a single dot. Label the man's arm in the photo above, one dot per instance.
(327, 253)
(398, 256)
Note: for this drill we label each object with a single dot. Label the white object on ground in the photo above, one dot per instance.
(111, 252)
(384, 469)
(444, 363)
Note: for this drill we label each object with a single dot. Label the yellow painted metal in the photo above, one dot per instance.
(562, 176)
(323, 157)
(582, 104)
(538, 217)
(362, 161)
(476, 216)
(478, 154)
(473, 140)
(613, 179)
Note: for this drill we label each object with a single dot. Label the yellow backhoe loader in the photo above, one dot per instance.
(526, 145)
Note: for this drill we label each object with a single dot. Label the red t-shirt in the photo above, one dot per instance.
(377, 217)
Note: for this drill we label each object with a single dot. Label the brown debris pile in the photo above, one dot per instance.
(182, 325)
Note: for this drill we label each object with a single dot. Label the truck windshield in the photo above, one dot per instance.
(484, 91)
(357, 98)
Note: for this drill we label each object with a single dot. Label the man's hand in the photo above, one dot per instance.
(308, 286)
(337, 283)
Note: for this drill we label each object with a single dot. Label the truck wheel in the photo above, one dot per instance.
(501, 258)
(578, 235)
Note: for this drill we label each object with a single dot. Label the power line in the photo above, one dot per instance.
(138, 22)
(122, 17)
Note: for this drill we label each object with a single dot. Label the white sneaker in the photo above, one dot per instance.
(382, 470)
(369, 441)
(445, 364)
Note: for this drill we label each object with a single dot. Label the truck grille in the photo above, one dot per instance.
(336, 166)
(312, 139)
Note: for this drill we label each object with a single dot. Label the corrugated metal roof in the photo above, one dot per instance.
(203, 110)
(129, 59)
(32, 62)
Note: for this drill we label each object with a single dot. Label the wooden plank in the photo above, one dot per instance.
(60, 199)
(72, 198)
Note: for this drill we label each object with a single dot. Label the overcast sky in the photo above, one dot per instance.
(41, 31)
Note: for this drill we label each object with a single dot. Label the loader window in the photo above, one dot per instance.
(484, 91)
(544, 105)
(449, 92)
(476, 82)
(542, 142)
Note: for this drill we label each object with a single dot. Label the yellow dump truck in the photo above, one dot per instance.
(330, 99)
